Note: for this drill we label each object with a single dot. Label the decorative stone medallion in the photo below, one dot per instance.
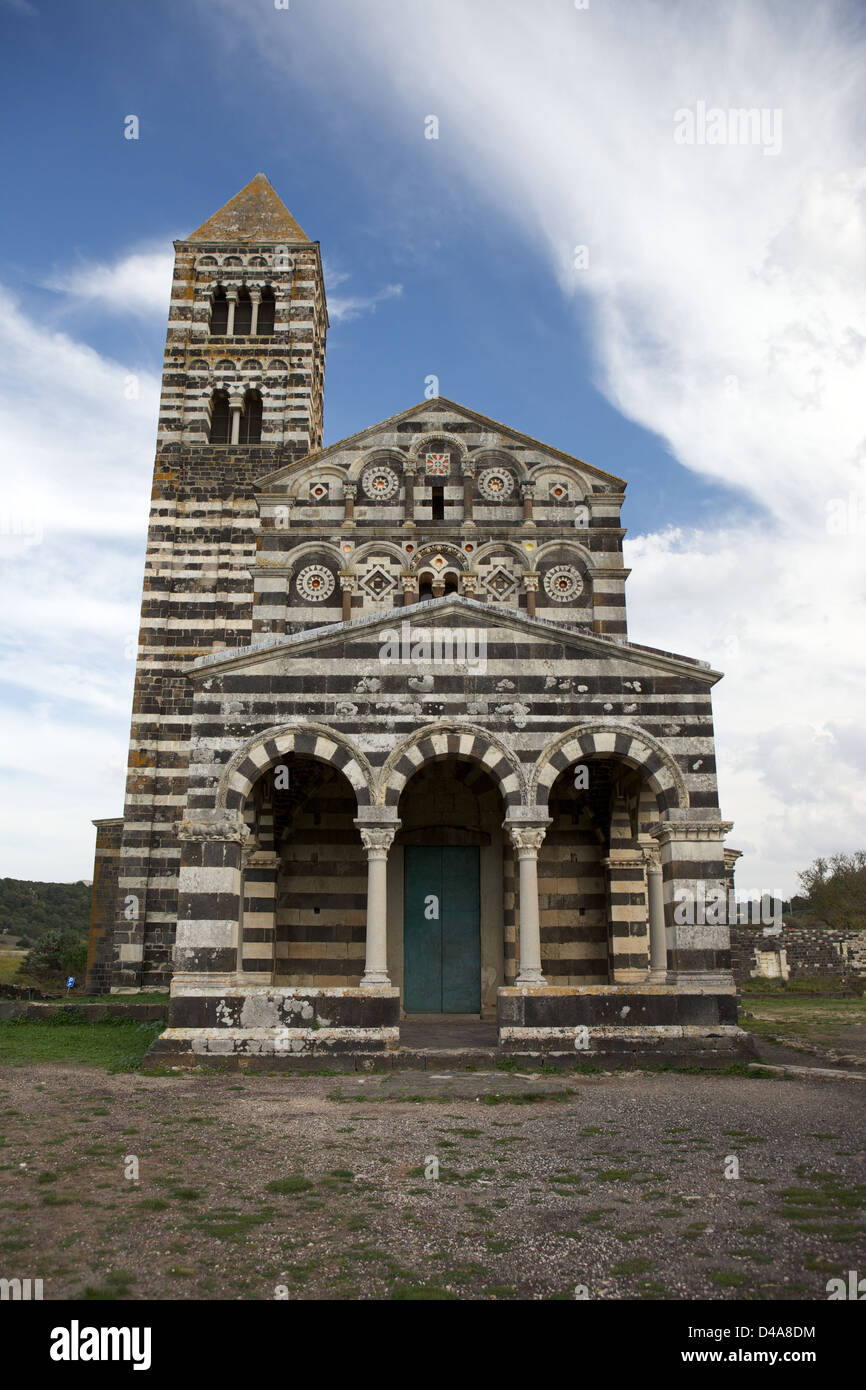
(437, 465)
(495, 484)
(563, 583)
(500, 583)
(378, 583)
(316, 583)
(380, 483)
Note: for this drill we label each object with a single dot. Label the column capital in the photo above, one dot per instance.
(350, 489)
(467, 468)
(377, 829)
(527, 832)
(652, 858)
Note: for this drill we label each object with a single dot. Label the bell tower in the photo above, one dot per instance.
(242, 395)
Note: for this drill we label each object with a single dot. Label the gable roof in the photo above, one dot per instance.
(445, 406)
(425, 614)
(254, 214)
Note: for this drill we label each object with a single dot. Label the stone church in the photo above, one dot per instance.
(393, 755)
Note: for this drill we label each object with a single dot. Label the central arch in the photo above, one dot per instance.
(450, 740)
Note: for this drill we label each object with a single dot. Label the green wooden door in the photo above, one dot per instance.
(441, 930)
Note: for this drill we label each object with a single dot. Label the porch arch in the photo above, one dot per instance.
(451, 739)
(309, 740)
(632, 746)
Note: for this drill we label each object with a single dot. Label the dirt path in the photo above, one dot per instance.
(315, 1187)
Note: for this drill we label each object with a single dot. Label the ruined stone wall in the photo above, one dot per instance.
(801, 953)
(103, 906)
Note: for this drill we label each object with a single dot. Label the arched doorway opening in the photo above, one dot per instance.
(592, 887)
(305, 877)
(446, 940)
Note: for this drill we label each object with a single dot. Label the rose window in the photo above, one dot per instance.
(495, 484)
(316, 583)
(380, 483)
(563, 583)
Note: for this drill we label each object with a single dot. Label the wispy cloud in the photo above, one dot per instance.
(344, 308)
(726, 297)
(139, 283)
(78, 433)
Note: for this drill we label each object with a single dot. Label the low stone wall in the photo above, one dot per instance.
(222, 1019)
(667, 1021)
(88, 1013)
(797, 953)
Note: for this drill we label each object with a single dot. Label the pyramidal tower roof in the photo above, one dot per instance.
(254, 214)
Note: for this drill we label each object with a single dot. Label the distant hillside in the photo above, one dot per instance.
(28, 909)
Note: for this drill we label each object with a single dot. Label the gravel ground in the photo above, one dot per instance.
(324, 1187)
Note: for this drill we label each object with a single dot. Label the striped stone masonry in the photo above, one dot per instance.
(436, 602)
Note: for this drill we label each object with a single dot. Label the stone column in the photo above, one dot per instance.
(259, 917)
(410, 467)
(209, 894)
(236, 405)
(468, 470)
(530, 584)
(350, 492)
(377, 836)
(256, 299)
(657, 929)
(410, 589)
(468, 584)
(232, 297)
(527, 492)
(349, 587)
(438, 586)
(695, 899)
(527, 837)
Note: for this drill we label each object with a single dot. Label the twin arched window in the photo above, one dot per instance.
(248, 318)
(249, 424)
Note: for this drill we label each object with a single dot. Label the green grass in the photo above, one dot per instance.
(117, 1044)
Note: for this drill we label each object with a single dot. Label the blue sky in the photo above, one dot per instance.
(710, 353)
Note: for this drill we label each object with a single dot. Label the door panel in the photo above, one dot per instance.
(441, 932)
(422, 936)
(461, 936)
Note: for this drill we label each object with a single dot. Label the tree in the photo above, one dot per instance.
(56, 954)
(834, 891)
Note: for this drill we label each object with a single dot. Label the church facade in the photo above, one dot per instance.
(393, 754)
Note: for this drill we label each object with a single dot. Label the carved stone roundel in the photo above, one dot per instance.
(380, 483)
(495, 484)
(316, 583)
(563, 583)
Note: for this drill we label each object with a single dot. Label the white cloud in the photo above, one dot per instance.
(727, 297)
(139, 283)
(78, 433)
(346, 308)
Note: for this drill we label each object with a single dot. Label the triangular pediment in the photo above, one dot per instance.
(454, 613)
(385, 434)
(256, 214)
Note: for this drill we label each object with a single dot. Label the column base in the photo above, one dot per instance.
(530, 977)
(376, 979)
